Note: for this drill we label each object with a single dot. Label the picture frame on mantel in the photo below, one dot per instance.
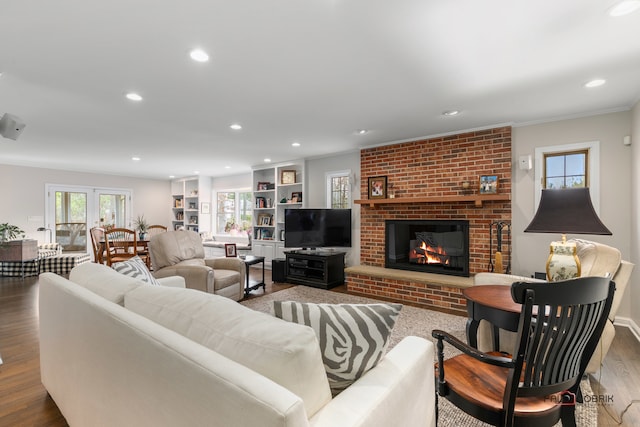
(378, 187)
(489, 184)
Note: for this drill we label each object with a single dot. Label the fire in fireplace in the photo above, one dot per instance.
(434, 246)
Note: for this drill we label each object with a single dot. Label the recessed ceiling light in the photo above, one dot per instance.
(595, 83)
(236, 126)
(450, 113)
(267, 160)
(135, 158)
(196, 172)
(171, 176)
(227, 167)
(361, 131)
(624, 8)
(132, 96)
(199, 55)
(295, 144)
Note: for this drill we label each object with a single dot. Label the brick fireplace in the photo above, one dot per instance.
(433, 170)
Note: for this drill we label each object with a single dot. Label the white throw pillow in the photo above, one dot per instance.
(136, 268)
(353, 337)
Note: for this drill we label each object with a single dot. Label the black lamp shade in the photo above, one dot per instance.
(566, 211)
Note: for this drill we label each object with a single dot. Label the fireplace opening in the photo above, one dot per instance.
(431, 246)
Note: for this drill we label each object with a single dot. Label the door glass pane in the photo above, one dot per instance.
(113, 208)
(71, 221)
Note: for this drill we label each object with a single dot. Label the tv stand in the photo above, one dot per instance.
(319, 269)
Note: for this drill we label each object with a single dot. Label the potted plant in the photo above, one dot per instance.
(9, 232)
(141, 226)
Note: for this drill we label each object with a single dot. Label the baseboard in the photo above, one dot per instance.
(628, 323)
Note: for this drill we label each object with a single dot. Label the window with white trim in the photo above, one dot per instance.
(234, 211)
(568, 166)
(339, 189)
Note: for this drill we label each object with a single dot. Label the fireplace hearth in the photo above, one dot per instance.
(430, 246)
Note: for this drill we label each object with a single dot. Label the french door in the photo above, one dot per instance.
(72, 210)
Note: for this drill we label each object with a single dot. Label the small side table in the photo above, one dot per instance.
(250, 260)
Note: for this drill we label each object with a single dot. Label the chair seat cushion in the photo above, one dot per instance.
(225, 278)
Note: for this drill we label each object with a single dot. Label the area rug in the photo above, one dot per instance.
(418, 322)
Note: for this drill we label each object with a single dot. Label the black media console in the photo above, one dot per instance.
(320, 269)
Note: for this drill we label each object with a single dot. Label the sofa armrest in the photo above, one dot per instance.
(173, 281)
(399, 391)
(501, 279)
(198, 277)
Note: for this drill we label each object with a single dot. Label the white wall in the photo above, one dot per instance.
(530, 250)
(634, 284)
(316, 194)
(22, 191)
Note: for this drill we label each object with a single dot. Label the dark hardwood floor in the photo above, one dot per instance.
(25, 402)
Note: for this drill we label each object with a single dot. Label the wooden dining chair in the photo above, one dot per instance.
(559, 328)
(152, 230)
(98, 245)
(120, 244)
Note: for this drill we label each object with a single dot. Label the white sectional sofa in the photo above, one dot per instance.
(106, 360)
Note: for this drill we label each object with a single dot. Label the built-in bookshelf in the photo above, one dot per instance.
(275, 188)
(187, 195)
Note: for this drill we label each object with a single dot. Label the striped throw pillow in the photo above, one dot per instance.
(136, 268)
(353, 337)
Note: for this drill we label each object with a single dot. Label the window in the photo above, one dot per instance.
(234, 212)
(566, 166)
(339, 189)
(566, 170)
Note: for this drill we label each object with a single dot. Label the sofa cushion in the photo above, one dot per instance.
(353, 337)
(284, 352)
(136, 268)
(104, 281)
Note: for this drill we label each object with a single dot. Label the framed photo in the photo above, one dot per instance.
(282, 235)
(230, 250)
(288, 177)
(296, 197)
(488, 184)
(378, 187)
(264, 219)
(262, 186)
(205, 208)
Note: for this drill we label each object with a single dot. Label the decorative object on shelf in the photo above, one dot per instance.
(230, 250)
(262, 186)
(194, 193)
(9, 232)
(288, 177)
(205, 208)
(282, 235)
(391, 191)
(378, 187)
(488, 184)
(565, 211)
(283, 200)
(141, 225)
(264, 219)
(296, 197)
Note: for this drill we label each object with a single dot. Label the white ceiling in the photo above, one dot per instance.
(311, 71)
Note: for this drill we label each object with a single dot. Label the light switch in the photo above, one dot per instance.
(525, 162)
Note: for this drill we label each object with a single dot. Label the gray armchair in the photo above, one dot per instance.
(180, 253)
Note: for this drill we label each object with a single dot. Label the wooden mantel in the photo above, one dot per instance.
(477, 199)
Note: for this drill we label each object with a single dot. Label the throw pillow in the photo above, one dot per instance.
(136, 268)
(353, 337)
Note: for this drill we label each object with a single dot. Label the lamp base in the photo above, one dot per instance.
(563, 262)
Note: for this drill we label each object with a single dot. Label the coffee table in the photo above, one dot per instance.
(250, 260)
(494, 304)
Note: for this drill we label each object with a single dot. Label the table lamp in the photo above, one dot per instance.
(565, 211)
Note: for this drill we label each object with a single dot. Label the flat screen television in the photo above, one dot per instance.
(317, 228)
